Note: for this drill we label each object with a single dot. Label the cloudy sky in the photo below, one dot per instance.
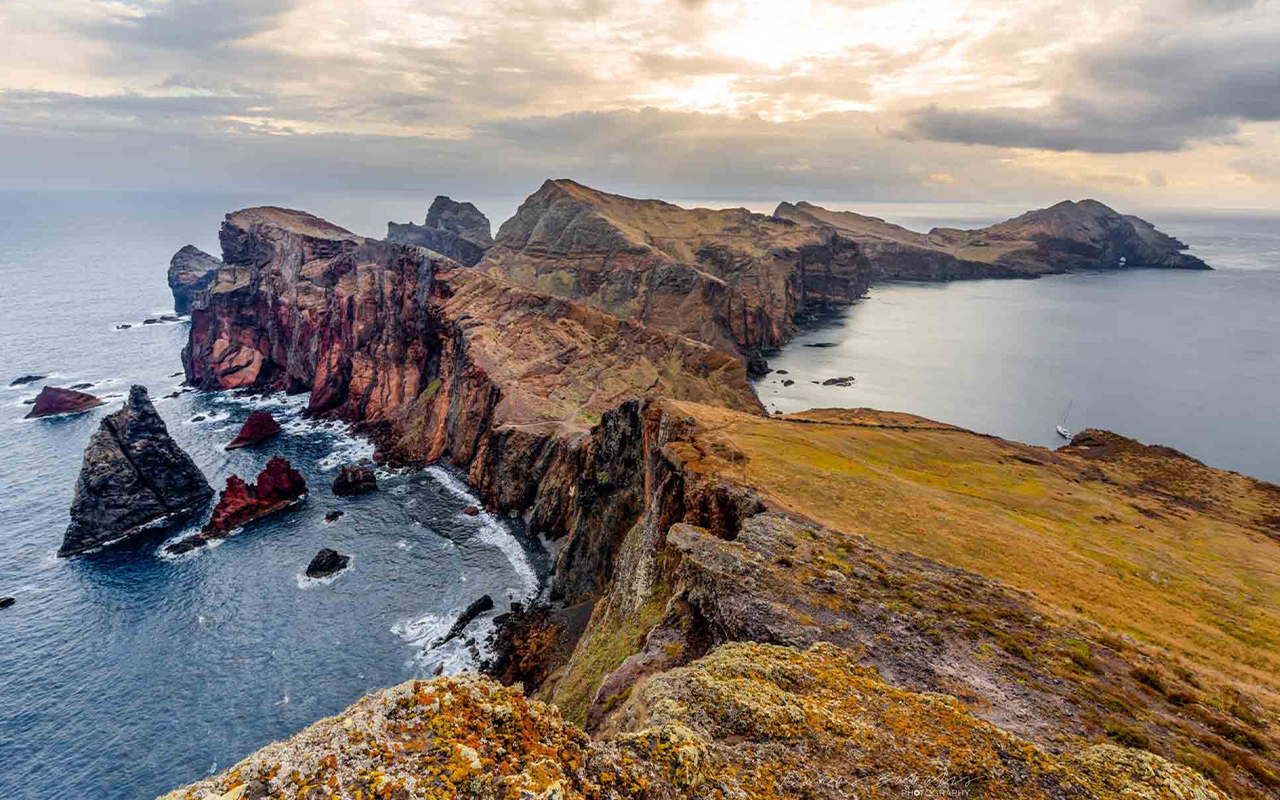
(1159, 102)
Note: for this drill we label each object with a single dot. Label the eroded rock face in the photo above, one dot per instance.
(352, 481)
(1069, 235)
(191, 270)
(258, 428)
(731, 278)
(134, 476)
(53, 400)
(452, 229)
(435, 360)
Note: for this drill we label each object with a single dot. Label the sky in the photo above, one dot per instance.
(1156, 103)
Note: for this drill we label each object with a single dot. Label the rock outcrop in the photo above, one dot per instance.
(191, 270)
(258, 428)
(134, 478)
(327, 562)
(455, 230)
(1067, 236)
(436, 360)
(731, 278)
(5, 602)
(24, 380)
(53, 401)
(279, 486)
(480, 606)
(356, 480)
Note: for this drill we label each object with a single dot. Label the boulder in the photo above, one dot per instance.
(5, 602)
(53, 400)
(26, 379)
(191, 270)
(468, 616)
(326, 563)
(333, 516)
(278, 487)
(133, 477)
(355, 480)
(258, 428)
(471, 511)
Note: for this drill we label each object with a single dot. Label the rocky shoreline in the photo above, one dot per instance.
(740, 605)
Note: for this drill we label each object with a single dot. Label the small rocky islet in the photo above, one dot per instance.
(734, 611)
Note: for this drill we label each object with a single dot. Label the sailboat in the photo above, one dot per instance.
(1062, 428)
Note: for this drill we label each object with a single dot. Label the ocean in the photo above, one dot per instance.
(125, 674)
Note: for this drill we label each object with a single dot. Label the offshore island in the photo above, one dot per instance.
(835, 603)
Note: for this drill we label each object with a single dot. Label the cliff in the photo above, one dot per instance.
(856, 603)
(134, 477)
(438, 361)
(731, 278)
(1067, 236)
(190, 272)
(452, 229)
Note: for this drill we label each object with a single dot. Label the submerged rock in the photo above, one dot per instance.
(191, 270)
(468, 616)
(26, 379)
(53, 400)
(326, 563)
(134, 476)
(333, 516)
(355, 480)
(258, 428)
(278, 487)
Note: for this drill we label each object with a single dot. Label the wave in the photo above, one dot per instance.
(492, 531)
(451, 657)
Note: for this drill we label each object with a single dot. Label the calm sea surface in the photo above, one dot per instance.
(125, 674)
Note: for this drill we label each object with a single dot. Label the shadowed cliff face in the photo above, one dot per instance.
(1067, 236)
(734, 279)
(438, 361)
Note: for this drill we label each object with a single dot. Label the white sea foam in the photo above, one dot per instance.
(491, 530)
(453, 656)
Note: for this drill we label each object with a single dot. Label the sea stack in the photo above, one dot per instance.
(327, 562)
(355, 480)
(191, 270)
(53, 400)
(258, 428)
(134, 477)
(456, 230)
(278, 487)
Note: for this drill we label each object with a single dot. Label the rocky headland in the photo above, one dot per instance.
(134, 478)
(1070, 235)
(829, 604)
(454, 230)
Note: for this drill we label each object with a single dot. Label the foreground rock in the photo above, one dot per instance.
(279, 486)
(258, 428)
(468, 615)
(1067, 236)
(53, 401)
(191, 270)
(455, 230)
(326, 563)
(352, 481)
(731, 278)
(744, 722)
(134, 477)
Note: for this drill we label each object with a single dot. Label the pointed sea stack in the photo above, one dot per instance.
(258, 428)
(134, 477)
(53, 400)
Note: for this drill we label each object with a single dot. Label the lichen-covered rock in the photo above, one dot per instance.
(456, 230)
(191, 270)
(133, 477)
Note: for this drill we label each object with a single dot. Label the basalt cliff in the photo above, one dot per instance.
(456, 230)
(833, 604)
(1063, 237)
